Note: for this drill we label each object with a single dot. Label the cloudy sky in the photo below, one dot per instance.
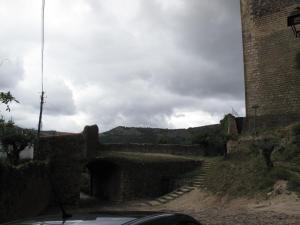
(146, 63)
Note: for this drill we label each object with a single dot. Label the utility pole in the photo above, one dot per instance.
(42, 71)
(41, 114)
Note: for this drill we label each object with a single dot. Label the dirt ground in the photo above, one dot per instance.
(280, 207)
(211, 210)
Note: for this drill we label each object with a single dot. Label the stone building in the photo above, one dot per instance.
(271, 62)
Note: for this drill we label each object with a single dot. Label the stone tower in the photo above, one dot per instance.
(271, 60)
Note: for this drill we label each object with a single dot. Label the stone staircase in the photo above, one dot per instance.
(197, 182)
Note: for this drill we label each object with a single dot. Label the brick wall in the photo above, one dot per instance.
(272, 71)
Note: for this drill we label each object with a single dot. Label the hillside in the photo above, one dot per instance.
(158, 136)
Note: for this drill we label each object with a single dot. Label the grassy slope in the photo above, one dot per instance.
(246, 173)
(144, 157)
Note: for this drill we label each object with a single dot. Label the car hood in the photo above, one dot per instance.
(115, 218)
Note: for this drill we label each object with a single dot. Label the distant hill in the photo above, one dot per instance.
(157, 135)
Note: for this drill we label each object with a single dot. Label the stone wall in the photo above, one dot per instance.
(122, 179)
(153, 179)
(154, 148)
(65, 155)
(271, 58)
(91, 137)
(24, 190)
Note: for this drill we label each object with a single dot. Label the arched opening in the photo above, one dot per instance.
(105, 178)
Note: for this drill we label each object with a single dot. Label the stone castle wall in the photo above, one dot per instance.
(271, 59)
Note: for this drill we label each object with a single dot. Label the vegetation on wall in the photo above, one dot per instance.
(242, 174)
(271, 157)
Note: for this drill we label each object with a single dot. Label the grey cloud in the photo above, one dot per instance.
(136, 72)
(59, 99)
(11, 72)
(202, 31)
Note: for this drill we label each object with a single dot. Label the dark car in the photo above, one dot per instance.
(132, 218)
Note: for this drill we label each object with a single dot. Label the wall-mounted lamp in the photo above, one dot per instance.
(293, 21)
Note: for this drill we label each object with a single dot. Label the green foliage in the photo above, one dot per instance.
(249, 172)
(224, 124)
(212, 142)
(267, 145)
(14, 140)
(6, 98)
(286, 153)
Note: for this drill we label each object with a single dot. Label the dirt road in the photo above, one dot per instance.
(282, 209)
(211, 210)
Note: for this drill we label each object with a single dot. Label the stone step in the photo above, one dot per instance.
(161, 200)
(198, 183)
(167, 197)
(199, 179)
(154, 203)
(190, 188)
(202, 179)
(177, 191)
(174, 195)
(186, 189)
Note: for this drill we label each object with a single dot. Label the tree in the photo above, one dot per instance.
(13, 139)
(6, 98)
